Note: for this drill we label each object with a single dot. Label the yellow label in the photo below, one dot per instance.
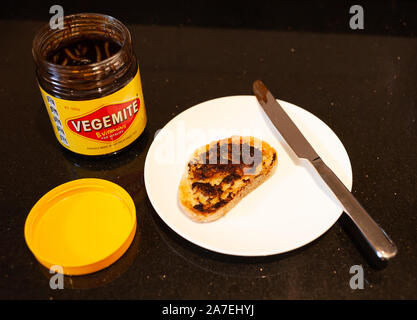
(99, 126)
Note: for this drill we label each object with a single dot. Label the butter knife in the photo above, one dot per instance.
(378, 240)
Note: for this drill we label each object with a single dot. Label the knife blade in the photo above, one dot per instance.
(376, 237)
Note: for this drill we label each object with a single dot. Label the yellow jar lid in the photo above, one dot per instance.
(82, 226)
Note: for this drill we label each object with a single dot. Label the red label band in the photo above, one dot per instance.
(107, 123)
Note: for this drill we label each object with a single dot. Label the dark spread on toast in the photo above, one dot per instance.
(274, 157)
(220, 161)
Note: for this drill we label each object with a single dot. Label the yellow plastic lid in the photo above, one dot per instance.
(82, 226)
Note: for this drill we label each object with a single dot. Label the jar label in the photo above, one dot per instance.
(99, 126)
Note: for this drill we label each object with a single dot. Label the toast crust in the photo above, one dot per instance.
(221, 173)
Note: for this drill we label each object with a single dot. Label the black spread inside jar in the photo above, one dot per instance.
(83, 51)
(90, 57)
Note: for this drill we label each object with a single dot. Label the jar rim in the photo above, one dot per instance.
(91, 79)
(46, 30)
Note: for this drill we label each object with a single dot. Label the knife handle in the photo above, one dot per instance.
(376, 237)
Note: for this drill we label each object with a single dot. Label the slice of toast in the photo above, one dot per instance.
(221, 173)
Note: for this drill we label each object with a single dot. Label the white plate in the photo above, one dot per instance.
(292, 208)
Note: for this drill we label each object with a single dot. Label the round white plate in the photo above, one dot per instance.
(292, 208)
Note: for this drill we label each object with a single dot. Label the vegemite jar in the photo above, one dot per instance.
(89, 80)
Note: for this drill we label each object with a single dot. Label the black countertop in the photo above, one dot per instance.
(363, 86)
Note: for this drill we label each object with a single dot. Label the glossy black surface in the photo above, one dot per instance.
(362, 86)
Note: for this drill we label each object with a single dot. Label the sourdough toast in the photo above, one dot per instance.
(221, 173)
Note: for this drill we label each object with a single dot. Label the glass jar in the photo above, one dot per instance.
(96, 108)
